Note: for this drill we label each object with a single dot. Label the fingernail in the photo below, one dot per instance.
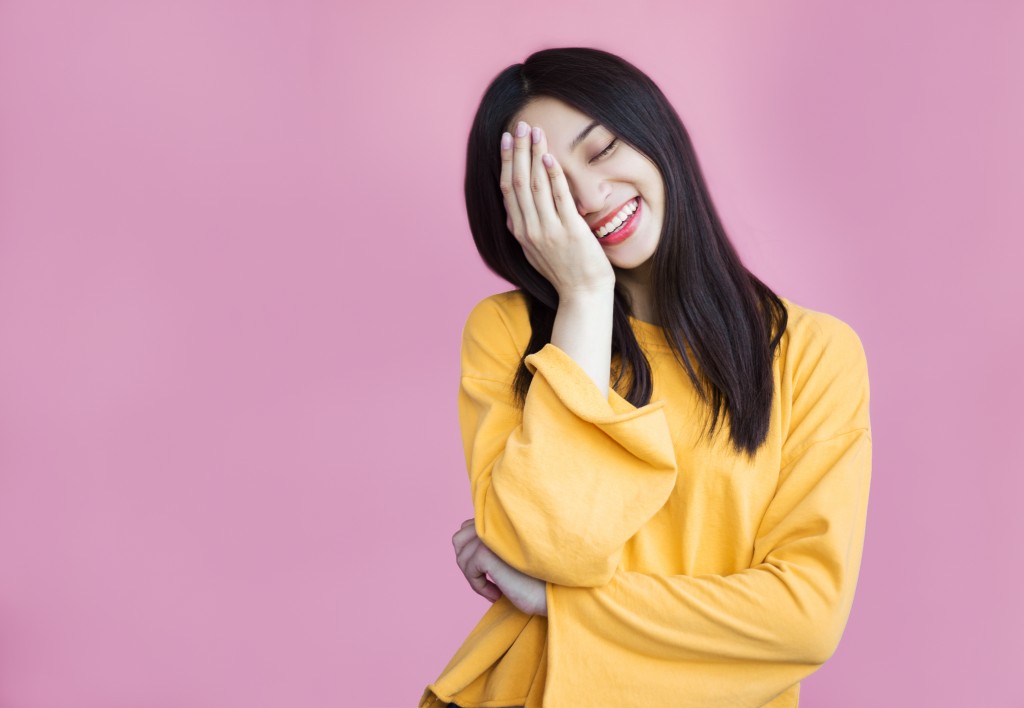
(548, 160)
(506, 141)
(536, 135)
(521, 129)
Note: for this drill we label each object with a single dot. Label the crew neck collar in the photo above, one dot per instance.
(649, 334)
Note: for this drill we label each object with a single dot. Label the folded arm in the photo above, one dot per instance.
(747, 636)
(559, 487)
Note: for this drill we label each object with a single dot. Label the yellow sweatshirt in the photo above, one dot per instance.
(678, 574)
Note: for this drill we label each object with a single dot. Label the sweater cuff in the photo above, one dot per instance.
(644, 431)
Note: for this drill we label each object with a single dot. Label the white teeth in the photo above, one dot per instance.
(619, 219)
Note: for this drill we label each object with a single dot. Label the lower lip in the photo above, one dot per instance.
(627, 229)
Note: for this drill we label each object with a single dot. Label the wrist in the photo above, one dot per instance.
(587, 296)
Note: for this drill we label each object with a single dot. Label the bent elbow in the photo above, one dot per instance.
(583, 561)
(558, 557)
(549, 547)
(585, 573)
(819, 635)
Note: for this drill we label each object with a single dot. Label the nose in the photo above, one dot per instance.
(591, 194)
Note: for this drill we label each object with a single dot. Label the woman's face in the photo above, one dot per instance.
(603, 177)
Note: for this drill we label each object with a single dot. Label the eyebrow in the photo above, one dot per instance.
(586, 131)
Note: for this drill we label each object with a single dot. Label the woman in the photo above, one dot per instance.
(669, 463)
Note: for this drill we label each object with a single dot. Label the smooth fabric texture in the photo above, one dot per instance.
(679, 572)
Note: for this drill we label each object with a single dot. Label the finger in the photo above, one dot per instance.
(522, 178)
(464, 554)
(474, 562)
(508, 194)
(563, 199)
(491, 591)
(541, 182)
(467, 522)
(486, 588)
(462, 537)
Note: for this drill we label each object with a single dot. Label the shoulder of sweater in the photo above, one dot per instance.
(501, 314)
(496, 334)
(824, 369)
(810, 333)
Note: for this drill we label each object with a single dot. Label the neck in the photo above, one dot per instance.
(637, 284)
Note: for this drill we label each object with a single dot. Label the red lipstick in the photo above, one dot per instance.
(626, 229)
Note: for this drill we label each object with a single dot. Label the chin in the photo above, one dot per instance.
(627, 263)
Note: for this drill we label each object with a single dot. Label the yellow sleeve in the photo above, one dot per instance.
(742, 638)
(559, 487)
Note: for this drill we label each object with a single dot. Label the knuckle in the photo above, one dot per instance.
(536, 185)
(506, 187)
(518, 183)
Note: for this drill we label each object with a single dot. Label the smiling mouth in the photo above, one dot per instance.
(619, 220)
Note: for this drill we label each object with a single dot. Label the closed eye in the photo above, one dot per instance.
(611, 147)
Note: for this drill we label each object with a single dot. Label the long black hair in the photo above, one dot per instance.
(705, 298)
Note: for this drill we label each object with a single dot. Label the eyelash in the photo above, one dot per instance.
(607, 150)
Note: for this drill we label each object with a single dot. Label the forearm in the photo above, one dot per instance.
(583, 330)
(737, 638)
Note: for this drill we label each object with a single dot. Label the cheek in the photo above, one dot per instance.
(657, 192)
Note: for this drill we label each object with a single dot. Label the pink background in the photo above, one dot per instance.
(234, 269)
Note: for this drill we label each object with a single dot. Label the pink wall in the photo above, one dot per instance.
(234, 267)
